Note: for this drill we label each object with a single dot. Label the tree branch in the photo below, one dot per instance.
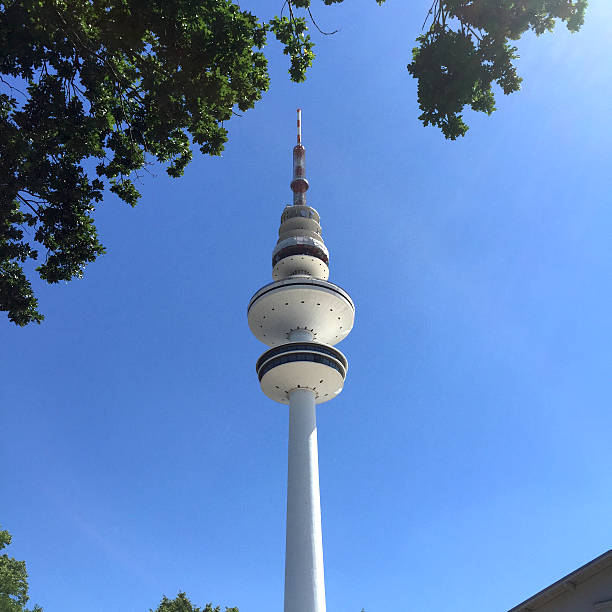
(317, 25)
(429, 12)
(27, 202)
(11, 87)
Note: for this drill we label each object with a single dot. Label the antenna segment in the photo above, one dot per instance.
(299, 184)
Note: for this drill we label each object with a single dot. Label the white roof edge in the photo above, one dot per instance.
(575, 578)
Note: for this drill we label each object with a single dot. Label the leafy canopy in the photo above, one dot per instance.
(466, 50)
(182, 604)
(112, 81)
(92, 91)
(13, 581)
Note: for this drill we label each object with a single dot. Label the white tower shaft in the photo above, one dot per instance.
(304, 580)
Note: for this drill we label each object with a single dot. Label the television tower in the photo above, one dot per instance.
(301, 316)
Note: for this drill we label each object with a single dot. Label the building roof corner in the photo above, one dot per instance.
(570, 582)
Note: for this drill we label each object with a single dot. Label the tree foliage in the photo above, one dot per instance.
(95, 90)
(182, 604)
(13, 581)
(467, 49)
(108, 83)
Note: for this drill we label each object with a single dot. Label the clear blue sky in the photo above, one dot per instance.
(466, 465)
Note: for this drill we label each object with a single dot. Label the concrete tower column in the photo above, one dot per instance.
(304, 580)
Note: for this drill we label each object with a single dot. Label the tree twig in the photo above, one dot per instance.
(11, 87)
(317, 25)
(36, 211)
(292, 20)
(429, 12)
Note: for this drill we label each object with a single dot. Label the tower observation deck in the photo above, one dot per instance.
(301, 316)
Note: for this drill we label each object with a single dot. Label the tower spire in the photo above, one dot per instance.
(299, 184)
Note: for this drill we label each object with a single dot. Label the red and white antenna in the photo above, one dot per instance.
(299, 184)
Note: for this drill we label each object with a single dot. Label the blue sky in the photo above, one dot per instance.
(467, 463)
